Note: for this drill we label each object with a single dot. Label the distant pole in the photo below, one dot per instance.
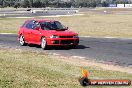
(31, 1)
(125, 2)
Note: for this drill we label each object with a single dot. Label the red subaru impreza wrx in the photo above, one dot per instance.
(47, 33)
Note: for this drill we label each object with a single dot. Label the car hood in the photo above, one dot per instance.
(61, 33)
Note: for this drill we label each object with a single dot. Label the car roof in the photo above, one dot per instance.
(40, 20)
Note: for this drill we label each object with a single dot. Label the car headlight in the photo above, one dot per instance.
(54, 36)
(75, 36)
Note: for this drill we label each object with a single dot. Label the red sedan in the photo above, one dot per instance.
(47, 33)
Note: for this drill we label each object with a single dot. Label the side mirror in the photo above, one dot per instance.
(66, 28)
(37, 28)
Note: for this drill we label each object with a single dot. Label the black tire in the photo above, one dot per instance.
(22, 41)
(73, 46)
(43, 43)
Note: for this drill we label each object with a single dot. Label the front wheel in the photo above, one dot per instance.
(73, 46)
(22, 41)
(43, 43)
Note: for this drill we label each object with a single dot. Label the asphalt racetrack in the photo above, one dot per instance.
(113, 51)
(24, 13)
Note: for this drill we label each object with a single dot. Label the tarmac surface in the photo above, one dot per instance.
(25, 13)
(107, 50)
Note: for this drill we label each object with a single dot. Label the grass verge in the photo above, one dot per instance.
(30, 69)
(90, 24)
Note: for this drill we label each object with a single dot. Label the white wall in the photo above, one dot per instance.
(128, 5)
(120, 5)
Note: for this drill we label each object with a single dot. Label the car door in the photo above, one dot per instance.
(28, 31)
(36, 34)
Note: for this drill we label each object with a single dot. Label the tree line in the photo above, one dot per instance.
(60, 3)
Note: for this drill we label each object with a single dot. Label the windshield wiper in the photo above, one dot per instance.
(60, 29)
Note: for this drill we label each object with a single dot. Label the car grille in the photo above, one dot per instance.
(67, 41)
(66, 36)
(56, 42)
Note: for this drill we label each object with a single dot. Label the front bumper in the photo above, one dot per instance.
(62, 41)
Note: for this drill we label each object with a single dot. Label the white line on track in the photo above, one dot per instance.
(56, 54)
(19, 17)
(78, 57)
(62, 15)
(50, 16)
(78, 14)
(7, 33)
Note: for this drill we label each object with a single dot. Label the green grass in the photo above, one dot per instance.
(28, 69)
(90, 24)
(10, 25)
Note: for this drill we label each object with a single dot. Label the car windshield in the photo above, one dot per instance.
(52, 25)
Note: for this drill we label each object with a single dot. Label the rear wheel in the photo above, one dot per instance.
(43, 43)
(22, 41)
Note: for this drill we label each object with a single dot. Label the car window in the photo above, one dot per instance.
(51, 25)
(30, 25)
(45, 26)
